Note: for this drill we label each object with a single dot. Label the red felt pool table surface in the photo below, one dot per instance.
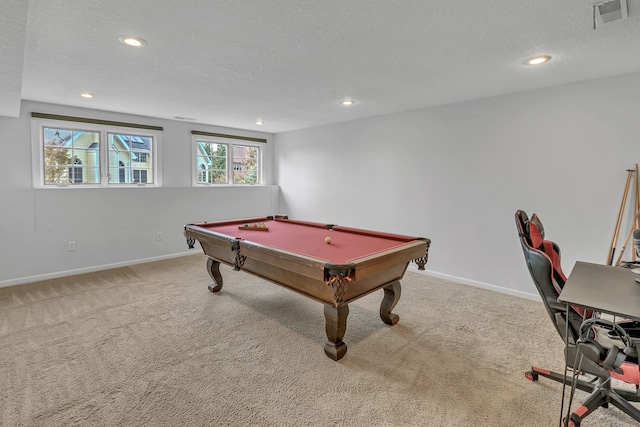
(308, 238)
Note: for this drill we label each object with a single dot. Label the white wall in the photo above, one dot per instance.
(111, 226)
(457, 174)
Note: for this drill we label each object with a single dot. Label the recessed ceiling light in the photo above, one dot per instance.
(537, 60)
(132, 41)
(259, 122)
(347, 102)
(86, 95)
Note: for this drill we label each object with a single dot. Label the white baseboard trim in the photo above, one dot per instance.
(488, 286)
(58, 274)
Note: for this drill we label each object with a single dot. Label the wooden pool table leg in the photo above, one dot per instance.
(336, 326)
(391, 298)
(213, 268)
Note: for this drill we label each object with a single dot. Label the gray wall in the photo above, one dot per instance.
(458, 173)
(111, 226)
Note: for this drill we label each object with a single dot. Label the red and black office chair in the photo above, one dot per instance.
(594, 346)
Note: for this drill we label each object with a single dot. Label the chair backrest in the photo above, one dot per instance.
(543, 260)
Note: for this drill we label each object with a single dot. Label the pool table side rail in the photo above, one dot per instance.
(308, 276)
(282, 218)
(378, 270)
(266, 219)
(301, 274)
(374, 263)
(231, 222)
(390, 236)
(220, 247)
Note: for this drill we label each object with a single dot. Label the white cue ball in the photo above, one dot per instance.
(327, 239)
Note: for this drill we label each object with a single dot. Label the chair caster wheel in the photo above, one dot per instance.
(570, 423)
(531, 376)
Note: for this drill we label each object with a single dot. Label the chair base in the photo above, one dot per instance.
(601, 395)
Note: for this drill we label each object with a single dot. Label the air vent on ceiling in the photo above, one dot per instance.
(609, 11)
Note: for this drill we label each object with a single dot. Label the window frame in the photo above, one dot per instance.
(103, 128)
(230, 141)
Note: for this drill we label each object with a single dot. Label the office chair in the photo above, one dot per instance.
(589, 340)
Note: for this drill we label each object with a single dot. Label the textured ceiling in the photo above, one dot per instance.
(230, 62)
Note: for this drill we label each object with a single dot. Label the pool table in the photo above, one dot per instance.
(331, 264)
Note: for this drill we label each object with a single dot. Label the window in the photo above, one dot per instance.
(245, 164)
(129, 160)
(75, 171)
(218, 159)
(70, 156)
(140, 175)
(78, 152)
(212, 160)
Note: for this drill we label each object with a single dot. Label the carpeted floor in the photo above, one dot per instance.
(149, 345)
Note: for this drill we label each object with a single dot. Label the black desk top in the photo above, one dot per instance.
(603, 288)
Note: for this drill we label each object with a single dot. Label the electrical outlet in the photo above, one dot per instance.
(71, 246)
(159, 236)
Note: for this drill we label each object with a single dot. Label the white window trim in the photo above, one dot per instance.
(37, 153)
(229, 142)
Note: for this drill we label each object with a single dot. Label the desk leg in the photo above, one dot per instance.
(391, 298)
(336, 326)
(213, 268)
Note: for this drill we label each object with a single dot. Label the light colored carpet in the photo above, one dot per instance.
(149, 345)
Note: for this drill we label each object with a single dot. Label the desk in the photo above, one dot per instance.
(603, 288)
(611, 290)
(294, 254)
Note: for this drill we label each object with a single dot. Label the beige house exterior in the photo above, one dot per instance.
(72, 157)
